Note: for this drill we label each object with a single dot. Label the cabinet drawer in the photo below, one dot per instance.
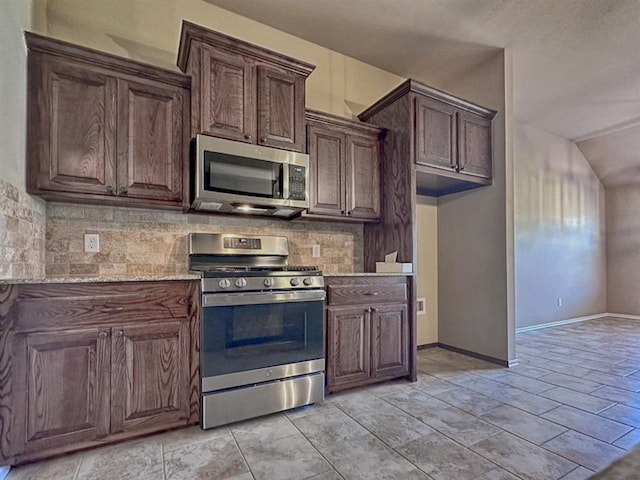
(366, 294)
(55, 306)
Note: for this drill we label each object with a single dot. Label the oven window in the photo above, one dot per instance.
(248, 337)
(243, 176)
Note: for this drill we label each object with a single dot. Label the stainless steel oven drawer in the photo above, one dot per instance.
(234, 405)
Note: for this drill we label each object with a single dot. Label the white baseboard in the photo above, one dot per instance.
(4, 471)
(575, 320)
(624, 315)
(563, 322)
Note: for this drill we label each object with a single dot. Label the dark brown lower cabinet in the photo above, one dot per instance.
(150, 375)
(367, 342)
(389, 340)
(61, 388)
(349, 339)
(93, 364)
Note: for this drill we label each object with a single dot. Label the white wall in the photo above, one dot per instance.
(427, 268)
(474, 234)
(560, 230)
(623, 248)
(22, 217)
(15, 17)
(149, 31)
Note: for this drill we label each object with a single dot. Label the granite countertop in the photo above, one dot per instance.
(367, 274)
(105, 279)
(157, 278)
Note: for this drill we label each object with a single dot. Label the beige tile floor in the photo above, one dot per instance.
(570, 408)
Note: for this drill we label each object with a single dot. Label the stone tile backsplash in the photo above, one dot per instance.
(136, 242)
(22, 233)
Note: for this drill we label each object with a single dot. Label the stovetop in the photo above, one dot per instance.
(231, 263)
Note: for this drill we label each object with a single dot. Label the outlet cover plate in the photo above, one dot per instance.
(92, 243)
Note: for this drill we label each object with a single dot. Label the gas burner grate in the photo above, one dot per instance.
(260, 269)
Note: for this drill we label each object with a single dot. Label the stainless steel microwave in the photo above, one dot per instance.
(235, 177)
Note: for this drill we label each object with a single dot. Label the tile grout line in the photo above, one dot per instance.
(244, 458)
(524, 439)
(316, 448)
(392, 448)
(164, 466)
(435, 429)
(77, 474)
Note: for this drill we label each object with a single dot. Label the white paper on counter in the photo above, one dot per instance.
(391, 257)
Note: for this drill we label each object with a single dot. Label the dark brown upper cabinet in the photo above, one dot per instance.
(344, 161)
(242, 91)
(103, 129)
(227, 96)
(451, 137)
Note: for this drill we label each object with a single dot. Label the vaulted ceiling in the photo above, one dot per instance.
(576, 62)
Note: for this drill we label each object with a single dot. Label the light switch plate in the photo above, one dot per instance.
(91, 243)
(316, 251)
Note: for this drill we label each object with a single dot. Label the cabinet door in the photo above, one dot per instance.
(150, 376)
(61, 388)
(474, 145)
(280, 109)
(390, 341)
(363, 178)
(435, 141)
(227, 107)
(348, 344)
(72, 115)
(150, 141)
(326, 171)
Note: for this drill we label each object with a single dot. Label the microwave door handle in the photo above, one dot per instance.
(285, 181)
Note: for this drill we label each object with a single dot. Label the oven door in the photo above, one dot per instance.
(249, 338)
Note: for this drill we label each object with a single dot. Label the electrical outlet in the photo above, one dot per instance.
(91, 243)
(421, 306)
(316, 251)
(559, 301)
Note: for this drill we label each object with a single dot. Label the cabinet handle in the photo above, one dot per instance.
(102, 335)
(119, 333)
(111, 309)
(123, 190)
(371, 294)
(263, 139)
(343, 212)
(461, 168)
(348, 213)
(374, 309)
(247, 136)
(110, 189)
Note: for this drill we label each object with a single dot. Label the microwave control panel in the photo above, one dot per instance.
(297, 182)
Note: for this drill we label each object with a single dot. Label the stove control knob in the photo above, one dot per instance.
(307, 281)
(224, 283)
(241, 282)
(294, 281)
(268, 282)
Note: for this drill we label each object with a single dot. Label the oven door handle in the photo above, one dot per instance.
(231, 299)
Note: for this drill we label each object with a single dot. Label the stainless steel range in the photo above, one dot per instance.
(262, 328)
